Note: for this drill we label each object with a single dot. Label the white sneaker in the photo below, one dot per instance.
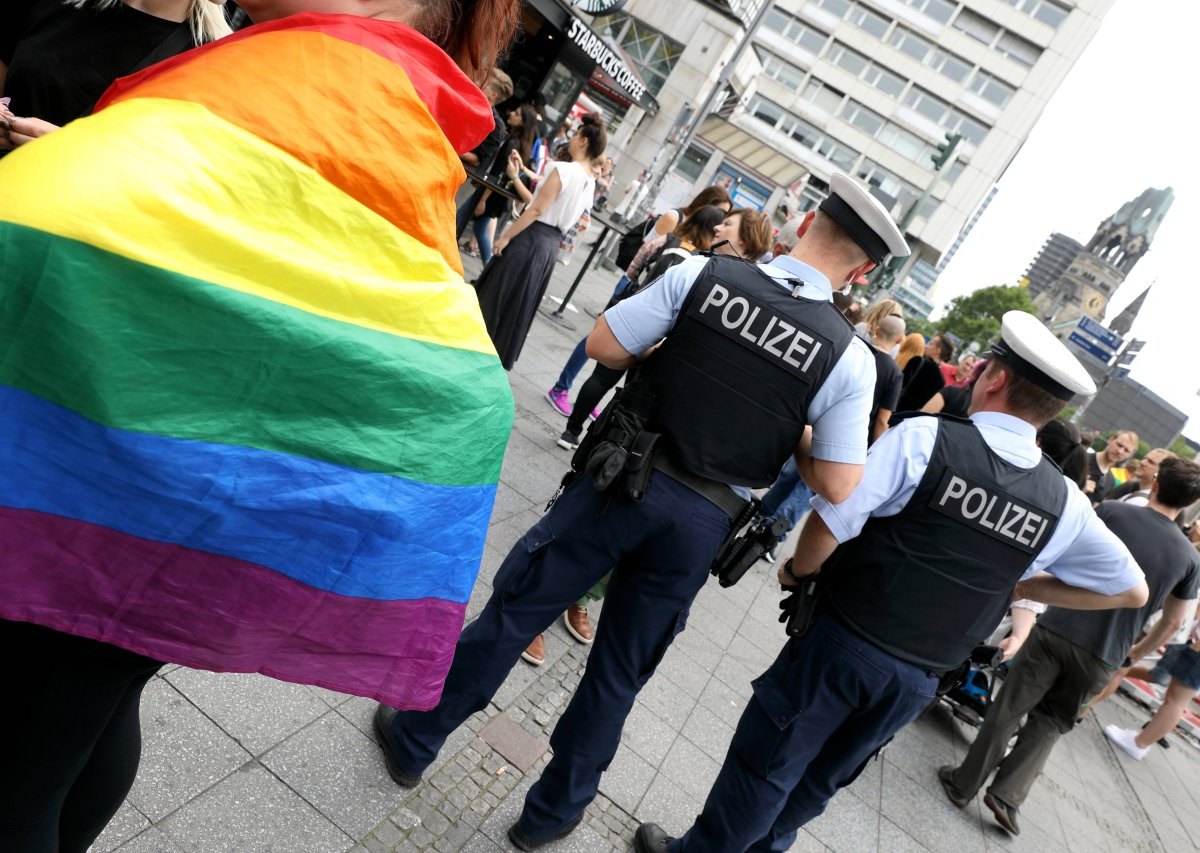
(1126, 739)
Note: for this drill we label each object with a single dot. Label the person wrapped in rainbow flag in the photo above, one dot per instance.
(253, 421)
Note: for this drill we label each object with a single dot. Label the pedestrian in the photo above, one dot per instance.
(223, 409)
(915, 568)
(887, 330)
(559, 394)
(491, 208)
(1142, 472)
(511, 289)
(921, 376)
(725, 412)
(1105, 471)
(1070, 654)
(58, 56)
(696, 233)
(482, 159)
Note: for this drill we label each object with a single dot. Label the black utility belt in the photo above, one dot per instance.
(719, 494)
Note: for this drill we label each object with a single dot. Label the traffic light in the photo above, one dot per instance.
(945, 151)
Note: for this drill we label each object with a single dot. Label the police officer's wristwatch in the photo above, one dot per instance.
(787, 570)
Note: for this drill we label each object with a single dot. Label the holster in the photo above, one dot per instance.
(618, 452)
(801, 607)
(739, 553)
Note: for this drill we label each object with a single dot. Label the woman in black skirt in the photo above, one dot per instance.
(511, 287)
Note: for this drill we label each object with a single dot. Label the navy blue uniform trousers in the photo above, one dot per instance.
(662, 549)
(826, 706)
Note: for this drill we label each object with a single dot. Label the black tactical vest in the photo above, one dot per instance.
(734, 378)
(933, 581)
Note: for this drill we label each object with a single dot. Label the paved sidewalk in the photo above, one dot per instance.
(246, 763)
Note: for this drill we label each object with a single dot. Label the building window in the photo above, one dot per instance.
(868, 21)
(847, 59)
(934, 109)
(652, 53)
(907, 145)
(884, 80)
(945, 116)
(940, 10)
(977, 26)
(823, 96)
(692, 163)
(796, 31)
(1043, 10)
(911, 43)
(836, 153)
(837, 8)
(868, 121)
(808, 135)
(1018, 49)
(948, 65)
(889, 184)
(784, 73)
(991, 89)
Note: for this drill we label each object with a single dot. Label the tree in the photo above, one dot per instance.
(1180, 448)
(976, 317)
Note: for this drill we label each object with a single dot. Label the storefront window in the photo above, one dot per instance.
(652, 53)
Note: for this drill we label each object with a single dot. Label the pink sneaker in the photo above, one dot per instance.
(595, 413)
(558, 399)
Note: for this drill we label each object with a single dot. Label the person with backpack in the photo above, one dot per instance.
(632, 251)
(697, 233)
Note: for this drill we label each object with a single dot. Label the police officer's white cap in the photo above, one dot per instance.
(1033, 352)
(861, 215)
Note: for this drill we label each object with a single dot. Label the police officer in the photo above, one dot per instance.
(752, 355)
(916, 568)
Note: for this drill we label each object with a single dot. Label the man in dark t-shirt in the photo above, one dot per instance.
(1104, 471)
(885, 334)
(1070, 654)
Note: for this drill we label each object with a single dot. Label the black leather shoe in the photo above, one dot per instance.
(383, 723)
(651, 838)
(945, 775)
(1005, 814)
(523, 842)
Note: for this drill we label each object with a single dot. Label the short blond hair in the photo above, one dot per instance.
(206, 19)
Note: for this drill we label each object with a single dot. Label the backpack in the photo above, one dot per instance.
(628, 245)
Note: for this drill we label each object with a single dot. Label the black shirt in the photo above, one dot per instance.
(922, 379)
(1171, 564)
(61, 59)
(887, 387)
(486, 151)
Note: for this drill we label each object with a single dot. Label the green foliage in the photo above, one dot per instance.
(976, 316)
(920, 325)
(1180, 448)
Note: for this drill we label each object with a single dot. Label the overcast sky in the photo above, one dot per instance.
(1122, 121)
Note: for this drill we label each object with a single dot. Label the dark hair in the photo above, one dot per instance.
(526, 134)
(592, 129)
(713, 195)
(1178, 482)
(754, 230)
(475, 33)
(697, 228)
(945, 348)
(1060, 441)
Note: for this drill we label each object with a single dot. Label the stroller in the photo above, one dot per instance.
(970, 700)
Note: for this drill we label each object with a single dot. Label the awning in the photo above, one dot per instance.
(586, 50)
(751, 152)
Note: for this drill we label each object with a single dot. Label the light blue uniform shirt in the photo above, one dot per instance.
(1082, 552)
(840, 408)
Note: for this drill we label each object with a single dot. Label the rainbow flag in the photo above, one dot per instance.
(252, 419)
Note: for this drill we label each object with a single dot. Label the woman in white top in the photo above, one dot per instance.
(513, 284)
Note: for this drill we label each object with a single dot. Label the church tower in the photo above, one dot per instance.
(1102, 265)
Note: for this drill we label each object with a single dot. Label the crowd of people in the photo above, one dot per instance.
(199, 482)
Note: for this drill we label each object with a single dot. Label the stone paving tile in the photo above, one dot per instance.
(238, 703)
(627, 779)
(895, 840)
(252, 811)
(647, 735)
(669, 806)
(690, 769)
(340, 771)
(184, 752)
(709, 732)
(848, 825)
(152, 840)
(127, 823)
(930, 816)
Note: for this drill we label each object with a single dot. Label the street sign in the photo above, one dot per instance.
(1106, 337)
(1095, 351)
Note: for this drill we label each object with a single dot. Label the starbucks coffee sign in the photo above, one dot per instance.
(604, 56)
